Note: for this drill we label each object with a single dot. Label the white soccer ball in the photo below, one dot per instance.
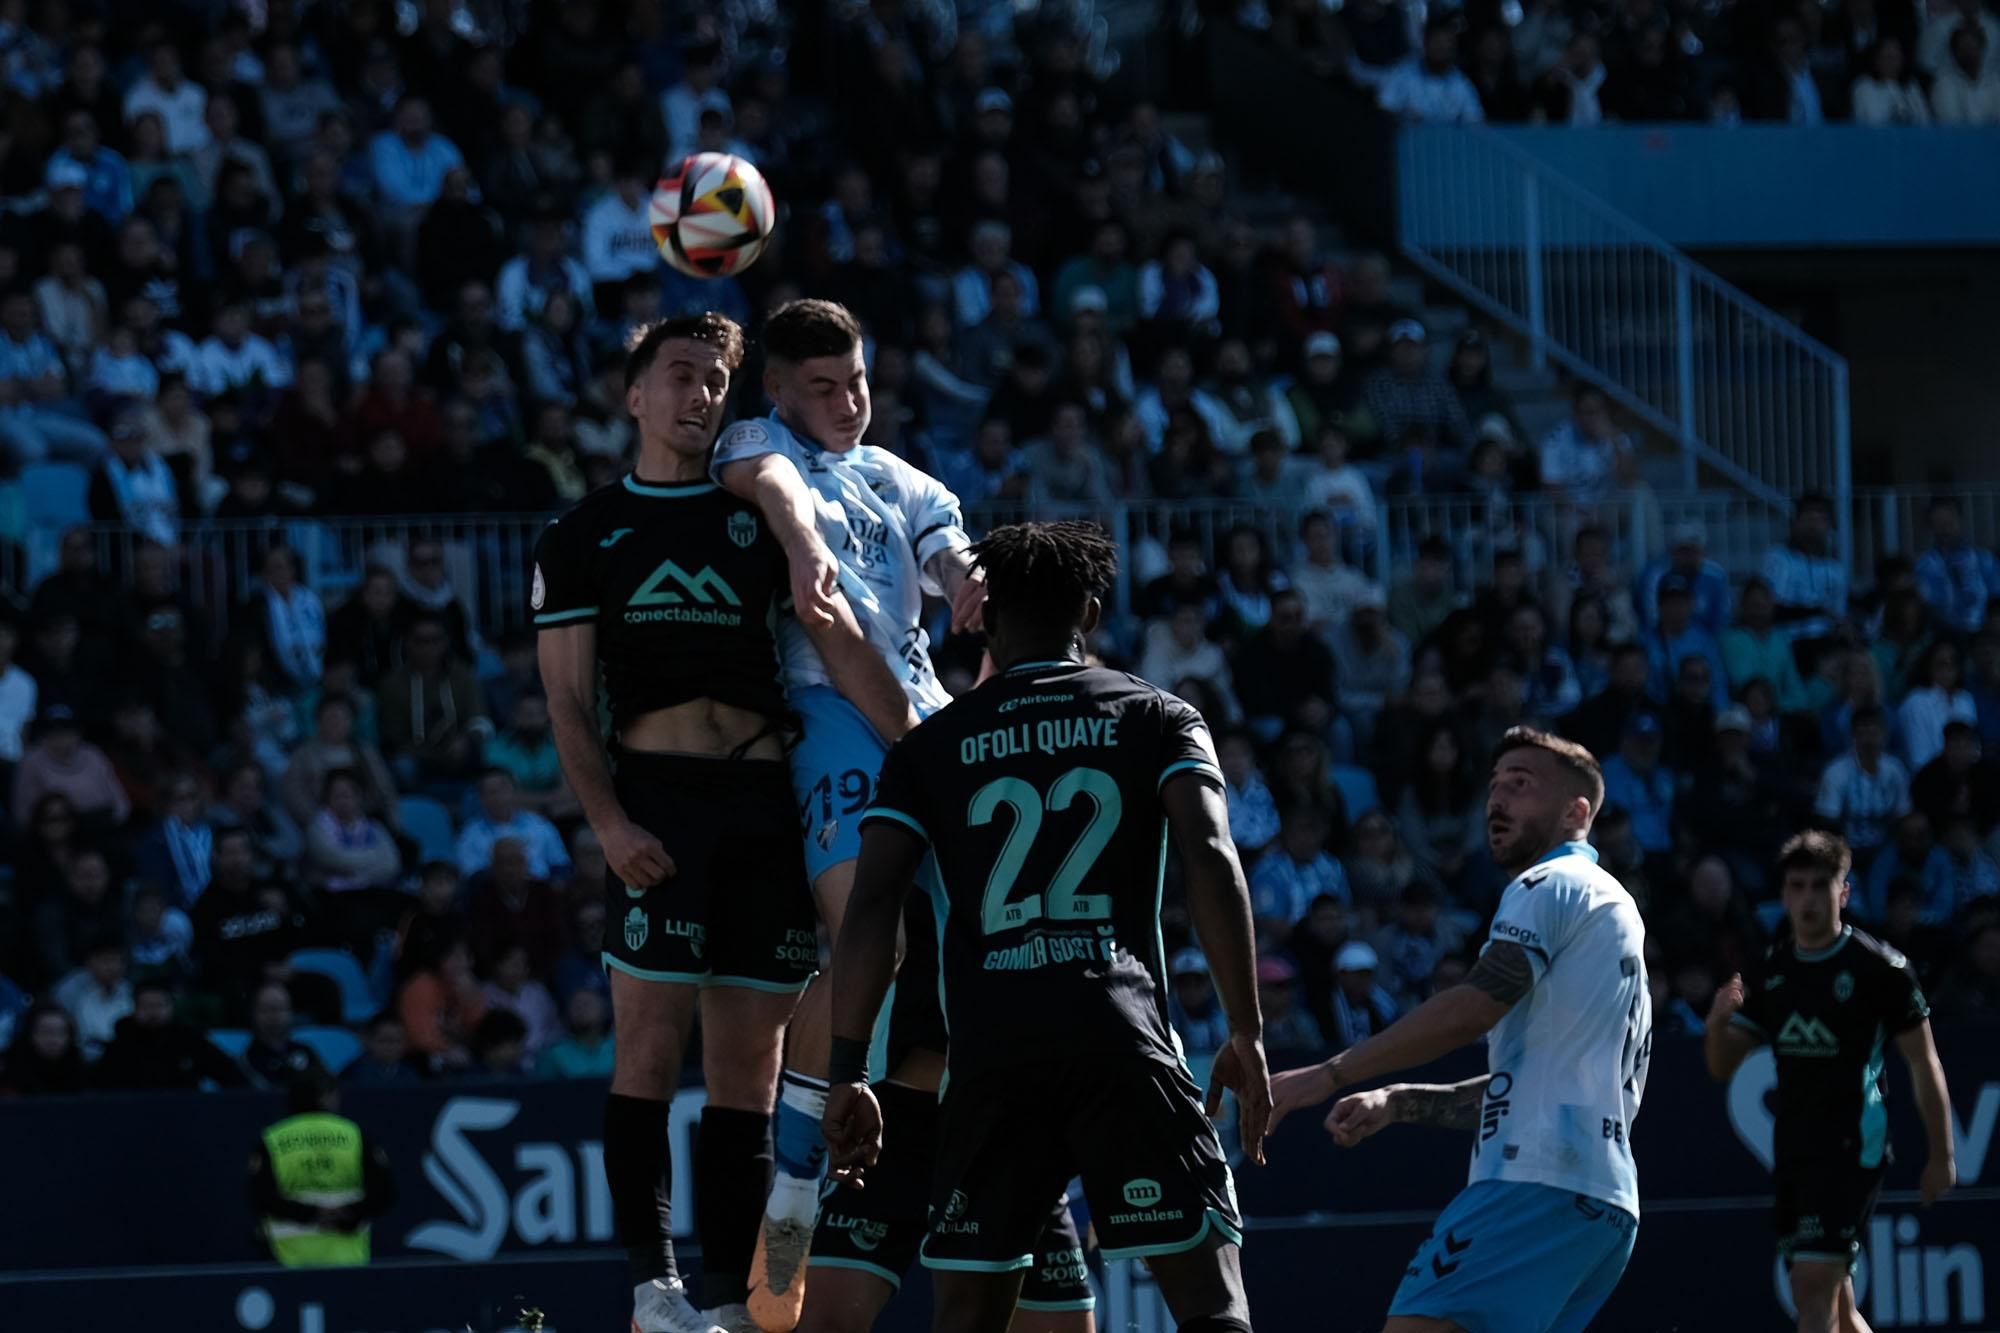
(712, 215)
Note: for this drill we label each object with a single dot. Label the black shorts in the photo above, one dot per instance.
(737, 911)
(1153, 1170)
(1824, 1204)
(878, 1229)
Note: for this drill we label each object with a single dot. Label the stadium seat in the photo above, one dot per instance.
(232, 1042)
(57, 494)
(430, 824)
(335, 1047)
(357, 999)
(1357, 789)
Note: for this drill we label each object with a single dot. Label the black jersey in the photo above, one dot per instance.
(1829, 1015)
(685, 585)
(1039, 793)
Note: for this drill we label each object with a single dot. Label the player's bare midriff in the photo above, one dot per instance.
(703, 727)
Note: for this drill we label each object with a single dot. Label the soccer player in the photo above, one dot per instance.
(1046, 795)
(1828, 999)
(670, 587)
(859, 521)
(1540, 1235)
(868, 1238)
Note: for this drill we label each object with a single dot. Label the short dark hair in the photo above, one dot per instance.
(1046, 573)
(1867, 713)
(333, 699)
(1576, 762)
(334, 775)
(716, 330)
(799, 331)
(1814, 851)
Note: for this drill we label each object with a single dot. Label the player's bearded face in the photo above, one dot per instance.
(1523, 817)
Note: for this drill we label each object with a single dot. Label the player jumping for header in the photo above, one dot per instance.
(1827, 1000)
(863, 527)
(1539, 1237)
(1046, 795)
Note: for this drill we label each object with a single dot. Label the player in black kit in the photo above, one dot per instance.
(1046, 795)
(671, 587)
(1828, 999)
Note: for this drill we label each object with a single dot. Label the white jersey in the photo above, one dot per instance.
(884, 520)
(1569, 1060)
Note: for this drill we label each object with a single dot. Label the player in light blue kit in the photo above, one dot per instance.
(1539, 1237)
(870, 535)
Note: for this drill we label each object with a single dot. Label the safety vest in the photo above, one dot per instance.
(317, 1161)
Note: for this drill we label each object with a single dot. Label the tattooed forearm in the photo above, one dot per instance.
(1503, 971)
(1441, 1106)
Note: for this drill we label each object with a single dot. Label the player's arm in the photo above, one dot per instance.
(864, 964)
(1934, 1104)
(1730, 1034)
(1441, 1105)
(567, 655)
(858, 671)
(1219, 904)
(952, 570)
(772, 482)
(1441, 1024)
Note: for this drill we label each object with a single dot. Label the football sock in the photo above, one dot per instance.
(799, 1151)
(639, 1169)
(732, 1179)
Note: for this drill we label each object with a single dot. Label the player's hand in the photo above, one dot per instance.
(636, 856)
(968, 605)
(1728, 999)
(1240, 1067)
(852, 1127)
(815, 582)
(1297, 1088)
(1940, 1174)
(1359, 1114)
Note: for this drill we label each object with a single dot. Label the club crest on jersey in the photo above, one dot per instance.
(743, 527)
(636, 929)
(885, 489)
(828, 832)
(538, 593)
(1843, 986)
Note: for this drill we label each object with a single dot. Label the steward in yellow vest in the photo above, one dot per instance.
(316, 1184)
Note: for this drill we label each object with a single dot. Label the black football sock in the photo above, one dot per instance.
(732, 1176)
(639, 1167)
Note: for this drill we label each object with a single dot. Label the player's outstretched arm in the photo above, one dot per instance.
(1219, 904)
(1934, 1103)
(858, 671)
(864, 964)
(567, 655)
(772, 483)
(1441, 1105)
(963, 588)
(1725, 1042)
(1443, 1023)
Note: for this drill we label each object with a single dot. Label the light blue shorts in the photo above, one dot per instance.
(1512, 1257)
(834, 767)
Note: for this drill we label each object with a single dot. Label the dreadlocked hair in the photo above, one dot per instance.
(1045, 572)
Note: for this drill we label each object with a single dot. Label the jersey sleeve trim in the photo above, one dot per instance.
(1200, 766)
(549, 618)
(1742, 1020)
(897, 816)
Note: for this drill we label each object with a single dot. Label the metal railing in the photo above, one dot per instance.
(1741, 389)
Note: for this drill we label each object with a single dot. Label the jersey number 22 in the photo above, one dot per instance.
(996, 913)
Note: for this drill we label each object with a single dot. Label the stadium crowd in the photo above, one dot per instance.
(364, 259)
(1558, 62)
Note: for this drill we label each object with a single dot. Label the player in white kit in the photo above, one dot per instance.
(863, 527)
(1540, 1235)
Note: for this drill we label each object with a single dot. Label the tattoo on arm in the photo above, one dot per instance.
(1503, 972)
(1447, 1106)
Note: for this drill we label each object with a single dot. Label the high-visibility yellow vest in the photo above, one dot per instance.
(317, 1161)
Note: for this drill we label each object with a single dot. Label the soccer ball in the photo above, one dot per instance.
(712, 215)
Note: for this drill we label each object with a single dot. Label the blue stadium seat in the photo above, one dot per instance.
(357, 998)
(335, 1047)
(430, 824)
(57, 494)
(232, 1042)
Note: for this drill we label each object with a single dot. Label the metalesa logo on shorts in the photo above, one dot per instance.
(1142, 1193)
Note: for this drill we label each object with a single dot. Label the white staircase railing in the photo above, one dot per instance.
(1741, 389)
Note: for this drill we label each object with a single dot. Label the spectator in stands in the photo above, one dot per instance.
(1783, 86)
(1568, 94)
(1330, 587)
(1635, 780)
(37, 419)
(1967, 90)
(1753, 649)
(1176, 648)
(441, 1006)
(585, 1048)
(1863, 791)
(1913, 851)
(1192, 1006)
(1327, 394)
(1887, 94)
(176, 851)
(333, 746)
(433, 719)
(1287, 674)
(385, 1060)
(1621, 855)
(1419, 604)
(365, 630)
(1441, 815)
(277, 839)
(1410, 394)
(153, 1051)
(434, 922)
(1578, 458)
(1937, 47)
(1173, 390)
(1430, 87)
(1958, 783)
(1677, 638)
(501, 815)
(1371, 659)
(1588, 645)
(274, 1057)
(1985, 685)
(61, 761)
(1591, 573)
(1066, 467)
(1296, 870)
(527, 751)
(511, 904)
(17, 701)
(1340, 488)
(1713, 928)
(1287, 1027)
(1972, 991)
(1708, 583)
(1808, 578)
(97, 993)
(513, 990)
(1546, 672)
(244, 929)
(426, 586)
(1361, 1008)
(346, 851)
(1956, 578)
(1253, 813)
(44, 1060)
(1935, 698)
